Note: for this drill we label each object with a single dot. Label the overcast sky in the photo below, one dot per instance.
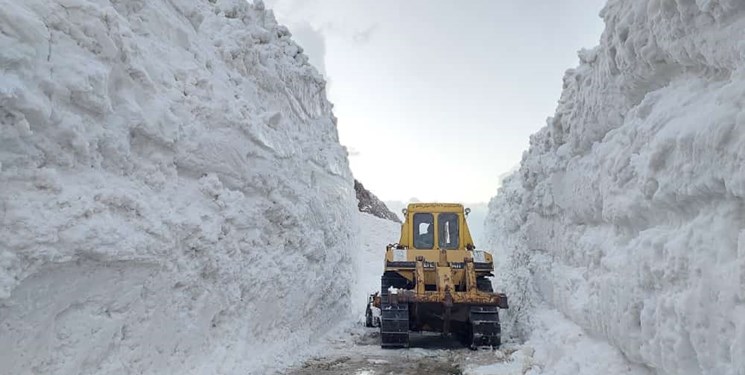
(436, 99)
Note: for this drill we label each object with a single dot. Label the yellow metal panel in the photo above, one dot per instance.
(404, 239)
(407, 228)
(435, 207)
(434, 255)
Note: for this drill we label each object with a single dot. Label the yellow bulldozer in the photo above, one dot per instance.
(435, 280)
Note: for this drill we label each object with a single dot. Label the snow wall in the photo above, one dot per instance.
(375, 234)
(173, 196)
(628, 211)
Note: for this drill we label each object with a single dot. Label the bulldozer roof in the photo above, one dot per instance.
(435, 207)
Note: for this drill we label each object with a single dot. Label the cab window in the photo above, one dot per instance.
(424, 231)
(448, 230)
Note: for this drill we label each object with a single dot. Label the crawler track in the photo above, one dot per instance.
(485, 329)
(394, 318)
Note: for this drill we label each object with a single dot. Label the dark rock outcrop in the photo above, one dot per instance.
(367, 202)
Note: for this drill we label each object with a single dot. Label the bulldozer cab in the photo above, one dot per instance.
(435, 226)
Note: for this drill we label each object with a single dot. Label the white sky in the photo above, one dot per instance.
(436, 99)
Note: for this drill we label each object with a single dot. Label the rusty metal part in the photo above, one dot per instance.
(452, 298)
(471, 284)
(444, 279)
(419, 274)
(443, 259)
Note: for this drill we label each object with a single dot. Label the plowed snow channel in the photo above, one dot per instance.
(359, 353)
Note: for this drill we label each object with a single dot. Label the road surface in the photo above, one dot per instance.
(430, 354)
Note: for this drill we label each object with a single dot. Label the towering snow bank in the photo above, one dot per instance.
(628, 211)
(170, 182)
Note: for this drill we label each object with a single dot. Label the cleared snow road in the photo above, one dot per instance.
(360, 353)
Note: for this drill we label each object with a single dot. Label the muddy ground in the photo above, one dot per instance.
(431, 354)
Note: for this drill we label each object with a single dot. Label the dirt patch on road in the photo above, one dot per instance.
(360, 354)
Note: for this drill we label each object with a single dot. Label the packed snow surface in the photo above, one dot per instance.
(556, 346)
(374, 235)
(173, 199)
(628, 211)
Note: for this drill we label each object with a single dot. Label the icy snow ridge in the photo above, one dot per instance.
(169, 174)
(628, 211)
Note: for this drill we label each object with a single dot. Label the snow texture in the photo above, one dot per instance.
(628, 211)
(173, 196)
(557, 347)
(374, 234)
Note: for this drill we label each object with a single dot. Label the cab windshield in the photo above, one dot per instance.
(424, 231)
(448, 230)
